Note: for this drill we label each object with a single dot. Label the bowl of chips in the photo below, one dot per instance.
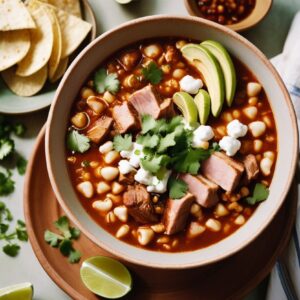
(38, 40)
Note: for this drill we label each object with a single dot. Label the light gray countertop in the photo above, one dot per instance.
(269, 36)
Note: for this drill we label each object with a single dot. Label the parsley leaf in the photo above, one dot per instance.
(260, 193)
(65, 247)
(123, 142)
(148, 140)
(7, 185)
(52, 238)
(74, 256)
(11, 249)
(152, 73)
(177, 188)
(77, 142)
(106, 82)
(62, 224)
(7, 146)
(148, 123)
(21, 165)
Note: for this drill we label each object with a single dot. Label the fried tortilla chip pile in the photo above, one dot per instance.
(36, 39)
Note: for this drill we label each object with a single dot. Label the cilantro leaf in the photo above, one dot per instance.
(148, 140)
(3, 228)
(21, 165)
(7, 147)
(19, 129)
(123, 143)
(154, 164)
(65, 247)
(22, 234)
(9, 216)
(74, 256)
(148, 123)
(106, 82)
(7, 185)
(11, 249)
(75, 233)
(52, 238)
(166, 142)
(62, 224)
(152, 73)
(189, 160)
(260, 193)
(77, 142)
(177, 188)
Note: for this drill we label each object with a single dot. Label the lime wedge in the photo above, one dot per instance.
(187, 106)
(105, 277)
(202, 100)
(21, 291)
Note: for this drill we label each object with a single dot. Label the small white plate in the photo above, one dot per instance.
(14, 104)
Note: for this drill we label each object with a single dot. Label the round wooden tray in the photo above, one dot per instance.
(231, 278)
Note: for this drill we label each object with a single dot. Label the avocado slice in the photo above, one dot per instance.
(187, 106)
(212, 73)
(202, 100)
(227, 66)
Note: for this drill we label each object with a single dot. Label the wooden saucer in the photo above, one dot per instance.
(231, 278)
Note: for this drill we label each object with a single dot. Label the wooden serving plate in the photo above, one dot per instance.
(231, 278)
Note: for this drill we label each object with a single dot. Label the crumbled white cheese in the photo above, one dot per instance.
(125, 167)
(236, 129)
(106, 147)
(202, 134)
(190, 84)
(154, 185)
(134, 155)
(230, 145)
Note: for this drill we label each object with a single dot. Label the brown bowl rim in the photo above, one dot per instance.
(260, 56)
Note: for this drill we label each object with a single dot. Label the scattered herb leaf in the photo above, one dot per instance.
(19, 129)
(62, 224)
(106, 82)
(123, 143)
(21, 165)
(7, 147)
(77, 142)
(177, 188)
(74, 256)
(152, 73)
(260, 193)
(7, 185)
(11, 249)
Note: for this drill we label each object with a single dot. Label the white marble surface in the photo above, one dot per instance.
(25, 267)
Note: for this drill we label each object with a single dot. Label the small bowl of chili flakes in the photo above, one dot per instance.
(238, 15)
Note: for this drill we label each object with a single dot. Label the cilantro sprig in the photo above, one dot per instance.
(152, 73)
(106, 82)
(64, 240)
(123, 142)
(260, 193)
(77, 142)
(177, 188)
(11, 247)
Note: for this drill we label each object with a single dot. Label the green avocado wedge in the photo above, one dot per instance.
(202, 100)
(187, 106)
(227, 66)
(211, 71)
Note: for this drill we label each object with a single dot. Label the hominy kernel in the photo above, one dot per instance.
(179, 44)
(97, 172)
(195, 229)
(236, 114)
(108, 97)
(166, 247)
(122, 231)
(158, 228)
(235, 206)
(71, 159)
(117, 188)
(213, 225)
(145, 235)
(110, 217)
(179, 73)
(166, 69)
(94, 164)
(163, 240)
(257, 145)
(221, 210)
(103, 205)
(80, 120)
(103, 187)
(111, 157)
(252, 100)
(244, 191)
(240, 220)
(86, 92)
(175, 243)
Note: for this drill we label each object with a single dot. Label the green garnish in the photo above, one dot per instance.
(260, 193)
(167, 144)
(123, 143)
(77, 142)
(19, 129)
(177, 188)
(152, 73)
(85, 163)
(21, 165)
(106, 82)
(64, 240)
(7, 147)
(7, 185)
(11, 249)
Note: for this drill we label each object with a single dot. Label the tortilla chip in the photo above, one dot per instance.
(57, 44)
(41, 42)
(14, 45)
(25, 86)
(73, 31)
(14, 16)
(60, 71)
(70, 6)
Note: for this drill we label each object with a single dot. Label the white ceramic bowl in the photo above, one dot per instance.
(194, 28)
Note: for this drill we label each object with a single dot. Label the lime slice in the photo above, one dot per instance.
(202, 100)
(21, 291)
(105, 277)
(187, 106)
